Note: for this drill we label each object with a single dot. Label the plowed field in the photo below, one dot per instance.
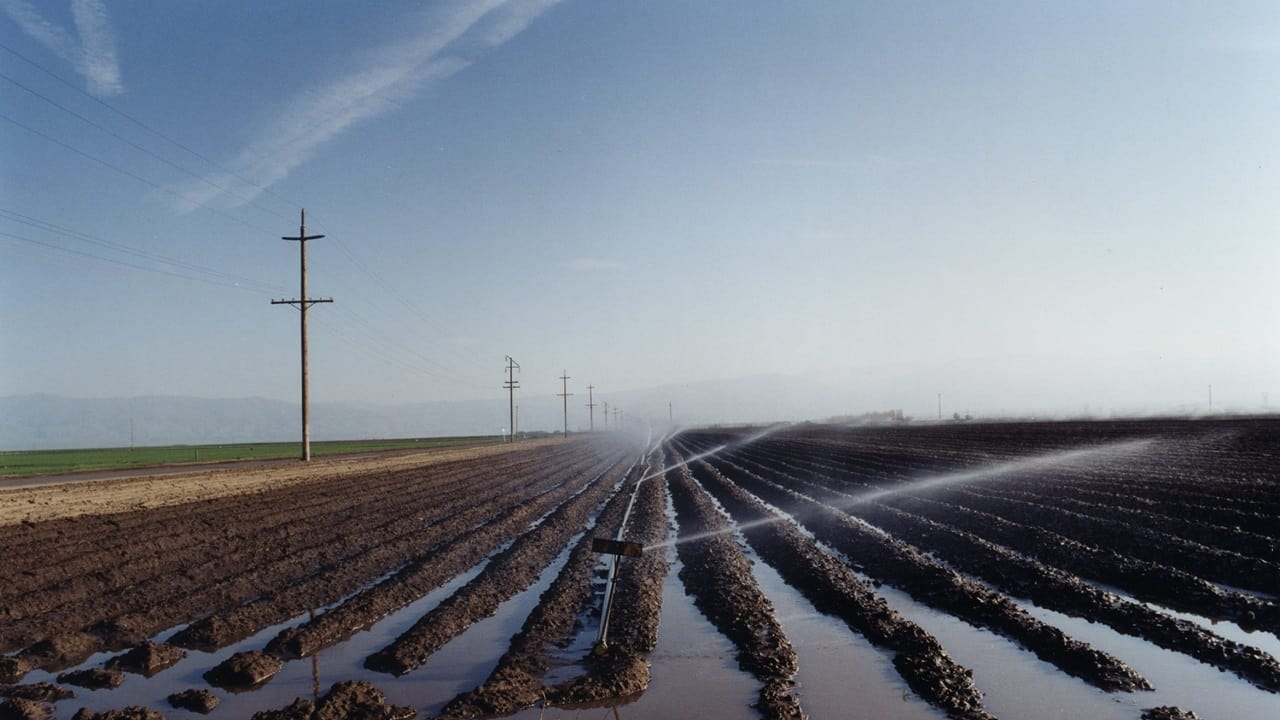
(1048, 570)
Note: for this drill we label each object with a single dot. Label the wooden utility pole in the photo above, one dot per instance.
(670, 417)
(302, 302)
(606, 416)
(564, 393)
(511, 384)
(591, 409)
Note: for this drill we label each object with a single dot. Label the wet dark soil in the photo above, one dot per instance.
(344, 701)
(92, 678)
(1194, 527)
(821, 474)
(1168, 712)
(515, 681)
(41, 692)
(16, 708)
(889, 560)
(234, 564)
(835, 590)
(195, 699)
(244, 670)
(147, 658)
(718, 576)
(620, 670)
(509, 572)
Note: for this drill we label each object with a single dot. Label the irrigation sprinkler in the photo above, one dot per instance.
(616, 548)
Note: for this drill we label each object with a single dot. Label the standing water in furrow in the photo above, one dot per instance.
(718, 576)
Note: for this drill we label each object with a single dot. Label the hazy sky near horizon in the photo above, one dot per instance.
(640, 194)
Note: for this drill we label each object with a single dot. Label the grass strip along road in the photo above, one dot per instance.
(17, 463)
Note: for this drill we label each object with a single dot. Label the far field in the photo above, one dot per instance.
(45, 462)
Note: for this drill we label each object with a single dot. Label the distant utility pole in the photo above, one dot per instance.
(606, 416)
(302, 302)
(669, 415)
(591, 408)
(939, 406)
(511, 384)
(564, 380)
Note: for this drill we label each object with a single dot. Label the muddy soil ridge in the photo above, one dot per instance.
(835, 590)
(464, 535)
(718, 576)
(898, 564)
(509, 572)
(515, 682)
(621, 670)
(1195, 470)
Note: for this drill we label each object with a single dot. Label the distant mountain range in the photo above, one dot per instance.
(1009, 387)
(49, 421)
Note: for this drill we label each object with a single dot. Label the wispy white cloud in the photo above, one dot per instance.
(91, 51)
(98, 46)
(514, 18)
(451, 37)
(592, 264)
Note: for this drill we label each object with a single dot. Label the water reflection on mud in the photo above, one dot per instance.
(840, 673)
(1178, 679)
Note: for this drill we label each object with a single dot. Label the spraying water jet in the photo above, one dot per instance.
(1078, 457)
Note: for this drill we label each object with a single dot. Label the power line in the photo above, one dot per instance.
(135, 176)
(140, 148)
(132, 266)
(142, 124)
(429, 366)
(387, 287)
(371, 349)
(56, 229)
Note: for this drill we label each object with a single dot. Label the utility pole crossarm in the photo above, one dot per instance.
(299, 303)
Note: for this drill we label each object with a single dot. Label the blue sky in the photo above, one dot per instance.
(1081, 195)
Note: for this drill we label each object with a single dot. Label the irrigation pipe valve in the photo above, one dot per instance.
(616, 548)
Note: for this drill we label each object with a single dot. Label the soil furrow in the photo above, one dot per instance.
(835, 590)
(900, 565)
(506, 574)
(436, 566)
(717, 575)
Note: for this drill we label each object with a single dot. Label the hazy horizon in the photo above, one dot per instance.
(1027, 207)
